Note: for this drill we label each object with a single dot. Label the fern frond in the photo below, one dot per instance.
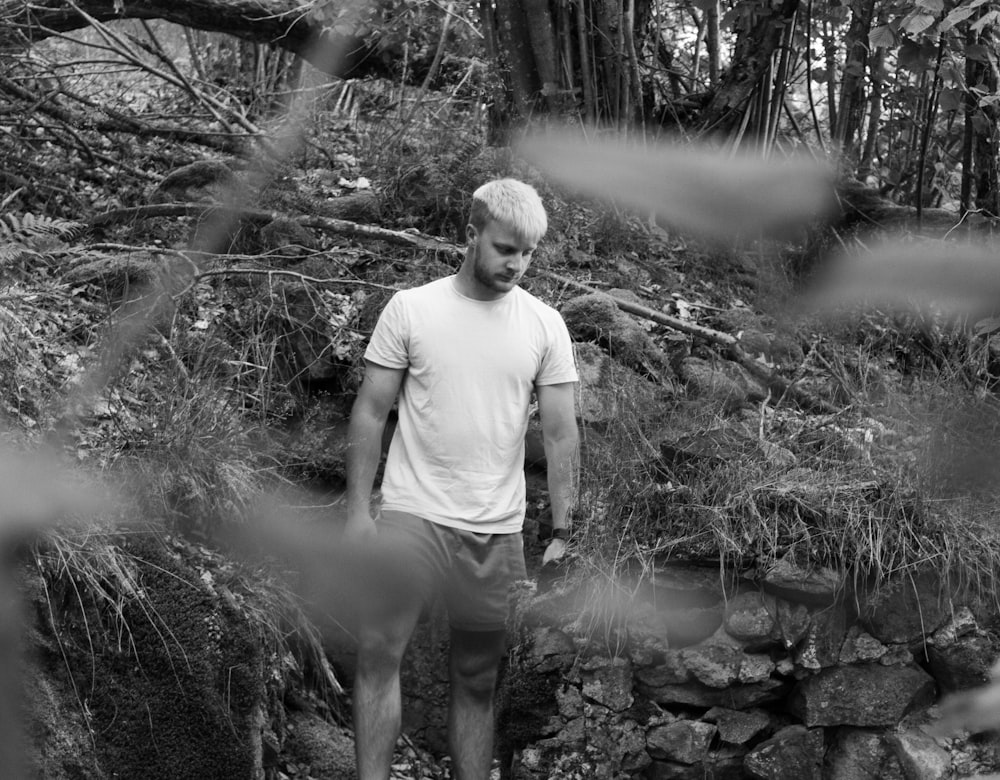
(26, 229)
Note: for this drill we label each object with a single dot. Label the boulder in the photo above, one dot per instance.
(824, 639)
(608, 681)
(960, 654)
(696, 694)
(709, 448)
(786, 351)
(817, 586)
(684, 604)
(794, 753)
(751, 617)
(720, 381)
(569, 700)
(684, 741)
(596, 317)
(326, 750)
(754, 343)
(715, 662)
(906, 609)
(716, 766)
(756, 667)
(920, 756)
(961, 623)
(739, 727)
(860, 754)
(606, 386)
(963, 664)
(861, 647)
(673, 625)
(549, 649)
(671, 670)
(793, 621)
(869, 695)
(686, 585)
(200, 181)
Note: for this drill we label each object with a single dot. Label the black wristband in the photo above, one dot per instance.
(560, 533)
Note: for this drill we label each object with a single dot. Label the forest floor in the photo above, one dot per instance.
(211, 384)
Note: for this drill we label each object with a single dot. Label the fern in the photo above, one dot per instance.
(33, 235)
(31, 227)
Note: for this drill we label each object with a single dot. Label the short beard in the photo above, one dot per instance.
(481, 276)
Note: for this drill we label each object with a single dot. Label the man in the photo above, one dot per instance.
(464, 355)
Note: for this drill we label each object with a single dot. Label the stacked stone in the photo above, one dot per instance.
(785, 679)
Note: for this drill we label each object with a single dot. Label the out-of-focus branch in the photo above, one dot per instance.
(290, 24)
(112, 122)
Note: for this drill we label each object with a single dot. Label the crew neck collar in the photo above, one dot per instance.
(492, 302)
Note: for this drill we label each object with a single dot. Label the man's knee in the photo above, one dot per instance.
(476, 672)
(382, 646)
(476, 681)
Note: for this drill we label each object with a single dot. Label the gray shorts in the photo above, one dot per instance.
(473, 572)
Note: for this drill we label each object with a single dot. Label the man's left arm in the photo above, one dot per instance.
(556, 406)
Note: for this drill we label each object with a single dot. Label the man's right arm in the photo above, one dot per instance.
(364, 443)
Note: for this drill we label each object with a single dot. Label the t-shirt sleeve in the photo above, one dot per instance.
(389, 344)
(558, 363)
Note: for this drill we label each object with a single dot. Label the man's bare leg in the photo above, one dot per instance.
(376, 698)
(475, 660)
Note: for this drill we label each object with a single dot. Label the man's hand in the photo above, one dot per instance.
(555, 551)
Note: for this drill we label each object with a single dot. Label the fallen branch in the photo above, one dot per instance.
(776, 383)
(340, 227)
(113, 122)
(269, 272)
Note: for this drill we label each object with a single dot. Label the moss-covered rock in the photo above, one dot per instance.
(171, 679)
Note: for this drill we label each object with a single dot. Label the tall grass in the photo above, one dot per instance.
(880, 490)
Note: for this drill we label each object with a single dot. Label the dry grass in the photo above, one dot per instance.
(886, 488)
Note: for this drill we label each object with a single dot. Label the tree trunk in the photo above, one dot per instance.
(987, 148)
(285, 23)
(519, 70)
(606, 36)
(543, 46)
(830, 52)
(874, 114)
(751, 62)
(968, 127)
(852, 87)
(712, 43)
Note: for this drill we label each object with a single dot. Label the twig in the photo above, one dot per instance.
(301, 277)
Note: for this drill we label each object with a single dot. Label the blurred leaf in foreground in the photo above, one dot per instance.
(37, 491)
(692, 188)
(955, 278)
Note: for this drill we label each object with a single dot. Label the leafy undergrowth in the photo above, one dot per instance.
(230, 392)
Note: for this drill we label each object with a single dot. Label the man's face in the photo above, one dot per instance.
(500, 256)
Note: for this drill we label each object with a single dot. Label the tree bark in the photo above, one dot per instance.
(876, 65)
(852, 90)
(284, 23)
(712, 43)
(543, 46)
(987, 144)
(751, 62)
(515, 48)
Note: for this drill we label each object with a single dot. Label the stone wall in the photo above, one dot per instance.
(796, 676)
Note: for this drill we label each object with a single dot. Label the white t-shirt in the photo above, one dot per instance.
(457, 456)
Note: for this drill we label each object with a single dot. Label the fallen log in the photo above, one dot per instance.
(777, 384)
(330, 225)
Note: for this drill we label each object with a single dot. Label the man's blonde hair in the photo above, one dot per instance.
(513, 203)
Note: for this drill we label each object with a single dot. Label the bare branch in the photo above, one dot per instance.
(290, 24)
